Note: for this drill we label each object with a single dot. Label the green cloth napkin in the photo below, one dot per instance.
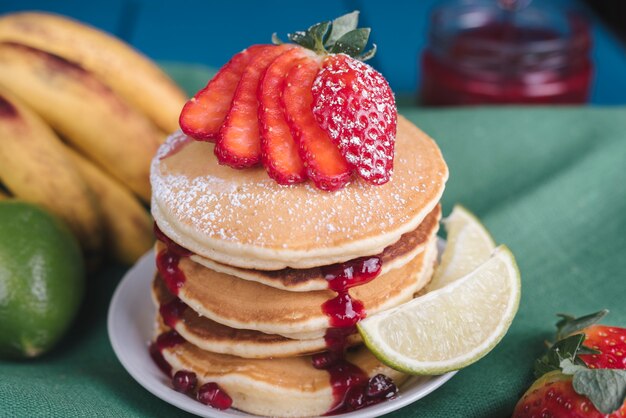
(548, 182)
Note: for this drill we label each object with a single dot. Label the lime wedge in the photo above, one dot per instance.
(468, 246)
(451, 327)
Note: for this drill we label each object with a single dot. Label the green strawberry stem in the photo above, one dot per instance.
(341, 36)
(569, 324)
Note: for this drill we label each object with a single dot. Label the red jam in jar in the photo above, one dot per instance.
(480, 52)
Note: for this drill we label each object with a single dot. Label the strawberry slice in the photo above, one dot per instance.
(279, 151)
(324, 163)
(203, 115)
(239, 143)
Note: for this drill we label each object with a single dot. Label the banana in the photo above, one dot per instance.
(83, 110)
(127, 224)
(34, 167)
(3, 195)
(132, 75)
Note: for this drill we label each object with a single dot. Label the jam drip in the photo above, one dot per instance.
(183, 381)
(172, 311)
(352, 389)
(165, 340)
(167, 261)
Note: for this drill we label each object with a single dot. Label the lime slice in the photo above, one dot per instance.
(451, 327)
(468, 246)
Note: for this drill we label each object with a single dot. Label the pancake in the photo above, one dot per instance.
(304, 280)
(243, 218)
(243, 304)
(212, 336)
(287, 387)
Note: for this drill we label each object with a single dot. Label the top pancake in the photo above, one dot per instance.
(245, 219)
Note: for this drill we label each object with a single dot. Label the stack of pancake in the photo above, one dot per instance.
(246, 268)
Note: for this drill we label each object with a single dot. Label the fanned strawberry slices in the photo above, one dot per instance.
(311, 109)
(203, 115)
(279, 151)
(324, 163)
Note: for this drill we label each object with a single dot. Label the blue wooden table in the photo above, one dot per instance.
(209, 32)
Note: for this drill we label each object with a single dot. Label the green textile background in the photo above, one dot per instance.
(548, 182)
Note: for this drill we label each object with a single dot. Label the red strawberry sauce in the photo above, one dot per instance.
(165, 340)
(172, 311)
(167, 264)
(350, 383)
(167, 261)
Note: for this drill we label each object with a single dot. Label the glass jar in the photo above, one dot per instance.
(481, 53)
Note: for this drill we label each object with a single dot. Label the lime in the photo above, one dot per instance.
(41, 279)
(468, 245)
(451, 327)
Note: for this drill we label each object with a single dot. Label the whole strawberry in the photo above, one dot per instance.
(553, 395)
(580, 375)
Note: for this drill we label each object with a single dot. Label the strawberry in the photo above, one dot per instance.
(321, 117)
(570, 382)
(203, 115)
(553, 395)
(324, 163)
(609, 341)
(279, 151)
(355, 105)
(352, 102)
(239, 143)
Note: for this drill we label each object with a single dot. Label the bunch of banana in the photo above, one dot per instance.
(81, 116)
(131, 75)
(36, 168)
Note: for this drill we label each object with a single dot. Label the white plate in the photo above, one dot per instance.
(131, 324)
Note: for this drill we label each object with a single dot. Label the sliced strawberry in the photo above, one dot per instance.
(354, 104)
(203, 115)
(239, 143)
(324, 163)
(279, 151)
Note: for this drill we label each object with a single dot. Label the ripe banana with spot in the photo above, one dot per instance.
(133, 76)
(85, 111)
(127, 224)
(34, 167)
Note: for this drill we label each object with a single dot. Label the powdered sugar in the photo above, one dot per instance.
(355, 106)
(248, 207)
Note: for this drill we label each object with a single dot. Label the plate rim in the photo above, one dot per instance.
(188, 404)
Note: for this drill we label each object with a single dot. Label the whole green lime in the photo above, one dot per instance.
(41, 279)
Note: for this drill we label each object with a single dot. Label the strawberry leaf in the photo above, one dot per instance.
(605, 388)
(341, 36)
(341, 26)
(276, 40)
(565, 349)
(568, 367)
(352, 43)
(368, 54)
(302, 38)
(569, 324)
(320, 32)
